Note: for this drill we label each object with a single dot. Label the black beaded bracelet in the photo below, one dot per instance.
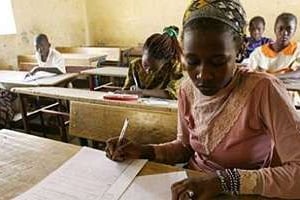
(230, 181)
(223, 182)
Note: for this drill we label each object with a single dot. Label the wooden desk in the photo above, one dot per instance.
(108, 71)
(292, 85)
(9, 79)
(27, 159)
(71, 59)
(92, 117)
(115, 55)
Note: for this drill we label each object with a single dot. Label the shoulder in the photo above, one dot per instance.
(263, 81)
(136, 63)
(55, 52)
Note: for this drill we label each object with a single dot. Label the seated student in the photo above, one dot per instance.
(280, 56)
(159, 72)
(230, 124)
(49, 60)
(256, 29)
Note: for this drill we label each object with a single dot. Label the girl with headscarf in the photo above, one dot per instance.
(239, 127)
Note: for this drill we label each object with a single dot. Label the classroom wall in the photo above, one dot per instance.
(129, 22)
(108, 22)
(63, 20)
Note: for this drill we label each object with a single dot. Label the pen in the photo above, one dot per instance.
(122, 134)
(135, 80)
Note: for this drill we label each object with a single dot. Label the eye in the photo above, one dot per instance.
(219, 61)
(192, 62)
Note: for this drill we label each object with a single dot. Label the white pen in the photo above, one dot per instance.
(122, 134)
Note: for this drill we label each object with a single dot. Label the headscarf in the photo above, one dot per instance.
(229, 12)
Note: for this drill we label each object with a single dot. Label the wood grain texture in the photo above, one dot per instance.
(100, 122)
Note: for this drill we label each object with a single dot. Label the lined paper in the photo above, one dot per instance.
(88, 175)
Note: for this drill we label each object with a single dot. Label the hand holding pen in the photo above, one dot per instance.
(120, 148)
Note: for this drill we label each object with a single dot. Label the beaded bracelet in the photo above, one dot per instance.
(222, 179)
(230, 181)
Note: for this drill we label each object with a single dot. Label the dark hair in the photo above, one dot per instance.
(209, 24)
(40, 37)
(165, 45)
(257, 19)
(286, 16)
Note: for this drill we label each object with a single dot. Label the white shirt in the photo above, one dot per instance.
(54, 59)
(266, 59)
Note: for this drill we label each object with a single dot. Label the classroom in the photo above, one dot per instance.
(160, 99)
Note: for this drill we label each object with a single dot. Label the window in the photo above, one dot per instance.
(7, 21)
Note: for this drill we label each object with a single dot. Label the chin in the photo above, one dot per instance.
(208, 92)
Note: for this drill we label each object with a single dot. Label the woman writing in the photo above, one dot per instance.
(239, 127)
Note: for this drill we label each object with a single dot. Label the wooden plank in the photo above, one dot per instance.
(95, 97)
(110, 71)
(100, 122)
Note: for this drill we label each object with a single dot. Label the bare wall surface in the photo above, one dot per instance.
(109, 22)
(62, 20)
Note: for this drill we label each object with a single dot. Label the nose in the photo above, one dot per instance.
(204, 74)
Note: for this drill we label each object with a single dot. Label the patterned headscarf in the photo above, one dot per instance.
(229, 12)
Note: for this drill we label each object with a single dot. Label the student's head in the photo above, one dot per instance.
(42, 44)
(285, 28)
(257, 27)
(213, 36)
(161, 48)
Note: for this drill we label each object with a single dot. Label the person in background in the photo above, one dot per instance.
(230, 124)
(281, 56)
(49, 60)
(159, 72)
(256, 29)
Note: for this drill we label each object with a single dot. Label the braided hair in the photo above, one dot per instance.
(165, 45)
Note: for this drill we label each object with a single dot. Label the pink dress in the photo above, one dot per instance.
(251, 125)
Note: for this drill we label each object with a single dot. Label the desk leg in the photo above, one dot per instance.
(83, 142)
(92, 82)
(24, 112)
(62, 128)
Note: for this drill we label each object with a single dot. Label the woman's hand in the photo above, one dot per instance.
(196, 188)
(126, 149)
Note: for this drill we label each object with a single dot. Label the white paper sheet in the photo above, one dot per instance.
(152, 187)
(88, 175)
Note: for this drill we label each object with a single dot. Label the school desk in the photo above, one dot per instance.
(106, 71)
(92, 117)
(27, 159)
(71, 60)
(115, 54)
(9, 79)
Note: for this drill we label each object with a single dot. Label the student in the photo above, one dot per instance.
(159, 72)
(282, 55)
(256, 29)
(229, 122)
(49, 60)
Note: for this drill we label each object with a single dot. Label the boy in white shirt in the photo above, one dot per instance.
(49, 60)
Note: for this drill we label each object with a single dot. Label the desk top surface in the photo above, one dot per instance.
(107, 71)
(9, 78)
(27, 159)
(96, 97)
